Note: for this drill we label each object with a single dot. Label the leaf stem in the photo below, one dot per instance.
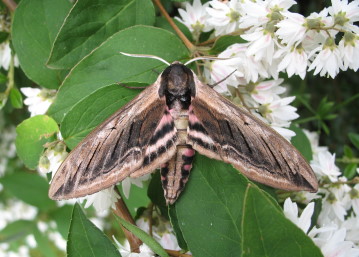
(185, 40)
(123, 212)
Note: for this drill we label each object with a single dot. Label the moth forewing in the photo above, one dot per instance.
(114, 150)
(224, 131)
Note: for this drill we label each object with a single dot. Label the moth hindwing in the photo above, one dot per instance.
(164, 126)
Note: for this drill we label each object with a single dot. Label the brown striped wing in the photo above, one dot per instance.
(125, 144)
(224, 131)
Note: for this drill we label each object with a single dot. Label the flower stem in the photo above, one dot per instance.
(11, 4)
(185, 40)
(177, 253)
(123, 212)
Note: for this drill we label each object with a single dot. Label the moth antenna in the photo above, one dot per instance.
(205, 58)
(146, 56)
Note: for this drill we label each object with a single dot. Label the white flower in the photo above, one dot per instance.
(126, 183)
(345, 14)
(221, 69)
(279, 111)
(291, 30)
(332, 243)
(335, 204)
(102, 200)
(52, 158)
(314, 143)
(291, 212)
(351, 224)
(286, 133)
(261, 45)
(125, 250)
(328, 60)
(38, 100)
(195, 17)
(258, 13)
(245, 68)
(266, 91)
(324, 166)
(293, 61)
(169, 241)
(224, 16)
(5, 56)
(354, 195)
(349, 49)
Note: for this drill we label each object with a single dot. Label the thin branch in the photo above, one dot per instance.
(122, 211)
(11, 4)
(185, 40)
(177, 253)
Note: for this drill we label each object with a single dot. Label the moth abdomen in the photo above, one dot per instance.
(175, 173)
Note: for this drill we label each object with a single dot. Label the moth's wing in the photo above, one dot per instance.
(132, 141)
(223, 131)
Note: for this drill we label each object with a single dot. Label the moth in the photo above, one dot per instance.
(164, 126)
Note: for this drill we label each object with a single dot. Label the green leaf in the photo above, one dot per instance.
(223, 205)
(301, 142)
(348, 152)
(32, 134)
(266, 232)
(79, 35)
(62, 217)
(16, 230)
(137, 198)
(144, 237)
(350, 170)
(92, 110)
(155, 193)
(36, 189)
(354, 138)
(177, 229)
(16, 98)
(161, 22)
(85, 239)
(44, 244)
(105, 65)
(223, 42)
(33, 34)
(3, 78)
(3, 36)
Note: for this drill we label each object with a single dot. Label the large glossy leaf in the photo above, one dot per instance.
(36, 189)
(34, 28)
(79, 35)
(105, 65)
(236, 217)
(85, 239)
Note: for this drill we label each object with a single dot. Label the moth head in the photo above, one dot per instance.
(177, 79)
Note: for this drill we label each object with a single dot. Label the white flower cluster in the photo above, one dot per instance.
(279, 40)
(337, 230)
(53, 156)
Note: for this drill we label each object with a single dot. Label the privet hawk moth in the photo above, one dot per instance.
(164, 126)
